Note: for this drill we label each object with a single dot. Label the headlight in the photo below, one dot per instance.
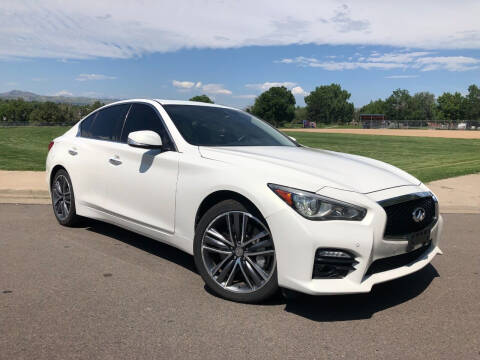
(317, 207)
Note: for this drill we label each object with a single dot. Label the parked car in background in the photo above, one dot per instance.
(256, 209)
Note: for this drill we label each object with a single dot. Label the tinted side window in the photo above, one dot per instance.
(144, 117)
(86, 124)
(108, 123)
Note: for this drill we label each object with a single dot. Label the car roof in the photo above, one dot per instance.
(186, 102)
(170, 102)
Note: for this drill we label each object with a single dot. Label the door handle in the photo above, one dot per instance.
(73, 151)
(115, 160)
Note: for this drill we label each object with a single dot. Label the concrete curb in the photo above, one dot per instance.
(10, 196)
(23, 187)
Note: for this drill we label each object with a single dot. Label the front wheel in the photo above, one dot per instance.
(235, 254)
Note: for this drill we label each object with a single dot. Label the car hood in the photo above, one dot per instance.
(322, 167)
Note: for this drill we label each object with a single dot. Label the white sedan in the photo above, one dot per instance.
(256, 209)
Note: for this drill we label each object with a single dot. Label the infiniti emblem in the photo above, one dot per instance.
(418, 214)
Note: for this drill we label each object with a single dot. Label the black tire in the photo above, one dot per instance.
(69, 218)
(269, 286)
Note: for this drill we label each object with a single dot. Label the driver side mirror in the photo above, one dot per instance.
(146, 139)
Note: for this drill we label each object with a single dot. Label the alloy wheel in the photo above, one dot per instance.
(238, 252)
(61, 196)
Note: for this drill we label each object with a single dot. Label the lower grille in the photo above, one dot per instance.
(401, 214)
(394, 262)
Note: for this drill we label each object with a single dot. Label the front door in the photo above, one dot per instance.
(143, 182)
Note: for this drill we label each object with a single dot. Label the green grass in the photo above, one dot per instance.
(425, 158)
(25, 148)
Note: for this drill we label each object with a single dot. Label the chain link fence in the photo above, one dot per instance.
(420, 124)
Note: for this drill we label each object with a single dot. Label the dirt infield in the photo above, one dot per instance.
(453, 134)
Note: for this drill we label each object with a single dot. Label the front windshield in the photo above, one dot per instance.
(215, 126)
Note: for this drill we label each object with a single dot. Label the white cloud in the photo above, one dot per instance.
(450, 63)
(267, 85)
(389, 61)
(216, 89)
(292, 86)
(399, 57)
(297, 90)
(208, 88)
(183, 84)
(401, 76)
(88, 28)
(63, 93)
(88, 77)
(340, 65)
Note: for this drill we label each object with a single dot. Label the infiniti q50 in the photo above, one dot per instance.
(256, 209)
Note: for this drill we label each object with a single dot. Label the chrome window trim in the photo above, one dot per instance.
(131, 103)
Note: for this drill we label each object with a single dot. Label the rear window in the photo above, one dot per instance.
(107, 124)
(86, 124)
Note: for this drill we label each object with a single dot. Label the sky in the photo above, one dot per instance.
(234, 50)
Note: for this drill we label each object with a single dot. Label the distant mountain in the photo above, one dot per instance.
(29, 96)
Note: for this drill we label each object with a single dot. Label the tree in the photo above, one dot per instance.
(472, 103)
(47, 112)
(451, 106)
(300, 114)
(422, 106)
(43, 112)
(398, 105)
(276, 106)
(329, 103)
(374, 107)
(202, 98)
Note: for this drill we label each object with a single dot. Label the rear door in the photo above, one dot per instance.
(142, 182)
(90, 152)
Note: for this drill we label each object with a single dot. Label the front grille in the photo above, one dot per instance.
(400, 219)
(397, 261)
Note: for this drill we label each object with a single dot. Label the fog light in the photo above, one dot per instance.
(332, 264)
(334, 254)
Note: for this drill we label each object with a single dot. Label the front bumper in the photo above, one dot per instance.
(296, 240)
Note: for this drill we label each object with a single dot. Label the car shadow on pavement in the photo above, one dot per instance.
(316, 308)
(141, 242)
(362, 306)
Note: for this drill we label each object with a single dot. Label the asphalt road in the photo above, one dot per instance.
(101, 292)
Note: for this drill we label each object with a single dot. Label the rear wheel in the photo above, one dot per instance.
(63, 199)
(235, 254)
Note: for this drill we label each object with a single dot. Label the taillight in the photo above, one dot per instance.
(50, 145)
